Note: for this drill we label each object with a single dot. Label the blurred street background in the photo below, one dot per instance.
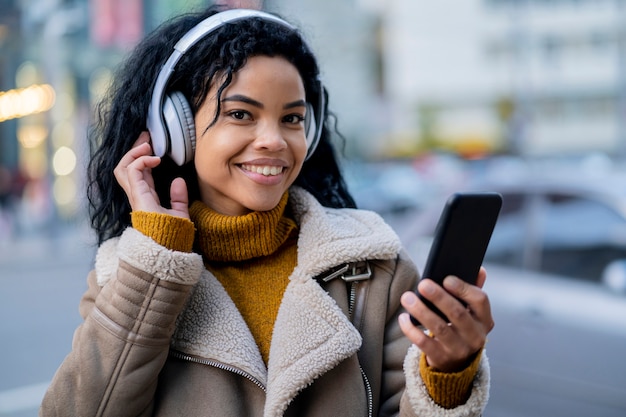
(523, 97)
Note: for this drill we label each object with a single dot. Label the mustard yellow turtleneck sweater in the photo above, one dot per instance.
(253, 256)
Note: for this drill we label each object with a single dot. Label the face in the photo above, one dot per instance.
(254, 152)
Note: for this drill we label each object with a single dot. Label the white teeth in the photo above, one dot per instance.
(263, 170)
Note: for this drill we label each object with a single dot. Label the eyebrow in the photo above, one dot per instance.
(255, 103)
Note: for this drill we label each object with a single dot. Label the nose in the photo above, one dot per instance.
(269, 136)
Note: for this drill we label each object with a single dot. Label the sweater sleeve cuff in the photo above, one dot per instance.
(449, 390)
(175, 233)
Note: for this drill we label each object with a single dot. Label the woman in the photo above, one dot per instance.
(245, 282)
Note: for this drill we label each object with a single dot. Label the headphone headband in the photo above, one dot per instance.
(211, 23)
(156, 121)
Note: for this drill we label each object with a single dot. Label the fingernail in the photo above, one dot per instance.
(427, 287)
(409, 298)
(453, 282)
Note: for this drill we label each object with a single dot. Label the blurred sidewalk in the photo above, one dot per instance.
(63, 244)
(42, 277)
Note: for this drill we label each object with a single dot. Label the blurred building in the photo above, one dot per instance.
(534, 77)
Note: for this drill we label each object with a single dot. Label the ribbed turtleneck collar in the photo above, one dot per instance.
(238, 238)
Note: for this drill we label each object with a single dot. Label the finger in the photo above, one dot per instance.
(441, 356)
(179, 197)
(415, 307)
(482, 277)
(140, 170)
(457, 287)
(416, 335)
(140, 184)
(141, 149)
(476, 299)
(440, 299)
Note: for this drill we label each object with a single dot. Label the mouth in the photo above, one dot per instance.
(266, 170)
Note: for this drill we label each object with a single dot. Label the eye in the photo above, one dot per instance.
(293, 119)
(240, 115)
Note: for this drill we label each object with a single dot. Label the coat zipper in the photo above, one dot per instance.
(218, 365)
(352, 300)
(368, 388)
(366, 381)
(351, 275)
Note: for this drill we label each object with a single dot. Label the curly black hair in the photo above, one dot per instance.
(121, 116)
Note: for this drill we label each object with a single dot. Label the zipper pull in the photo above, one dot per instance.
(351, 272)
(358, 275)
(336, 273)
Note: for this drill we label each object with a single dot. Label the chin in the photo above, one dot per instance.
(262, 207)
(265, 205)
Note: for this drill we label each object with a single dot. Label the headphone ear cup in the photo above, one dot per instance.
(310, 129)
(180, 127)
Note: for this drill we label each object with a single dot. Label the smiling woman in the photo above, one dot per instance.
(235, 275)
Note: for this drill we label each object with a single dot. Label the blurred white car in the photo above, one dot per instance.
(557, 284)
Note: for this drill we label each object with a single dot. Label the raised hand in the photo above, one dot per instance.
(134, 174)
(450, 346)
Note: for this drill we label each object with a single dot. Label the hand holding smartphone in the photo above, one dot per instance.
(461, 239)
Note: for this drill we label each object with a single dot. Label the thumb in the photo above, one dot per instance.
(179, 198)
(482, 277)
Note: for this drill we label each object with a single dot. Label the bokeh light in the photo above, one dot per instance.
(33, 162)
(25, 101)
(99, 81)
(63, 134)
(64, 161)
(27, 74)
(64, 191)
(31, 136)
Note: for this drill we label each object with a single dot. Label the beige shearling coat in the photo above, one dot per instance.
(161, 337)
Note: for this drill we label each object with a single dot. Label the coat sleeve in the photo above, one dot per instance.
(119, 349)
(402, 384)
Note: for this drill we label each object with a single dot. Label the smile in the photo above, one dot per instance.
(266, 170)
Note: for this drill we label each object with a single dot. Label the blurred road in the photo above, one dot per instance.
(41, 282)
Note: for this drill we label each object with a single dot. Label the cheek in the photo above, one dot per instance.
(209, 156)
(201, 155)
(299, 148)
(299, 151)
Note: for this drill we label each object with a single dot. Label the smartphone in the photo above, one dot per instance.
(461, 239)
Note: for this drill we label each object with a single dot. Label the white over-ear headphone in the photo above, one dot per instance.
(170, 119)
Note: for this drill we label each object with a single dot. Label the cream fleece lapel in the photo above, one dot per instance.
(212, 328)
(311, 336)
(330, 237)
